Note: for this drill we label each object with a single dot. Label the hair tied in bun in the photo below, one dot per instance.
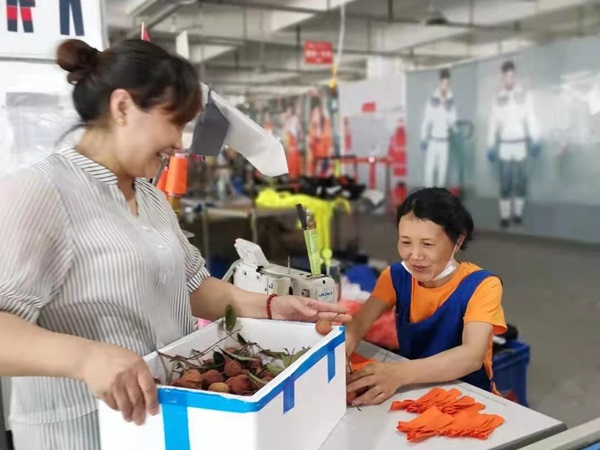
(78, 58)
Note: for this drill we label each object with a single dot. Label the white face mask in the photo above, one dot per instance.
(449, 269)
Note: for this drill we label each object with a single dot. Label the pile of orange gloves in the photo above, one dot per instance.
(445, 413)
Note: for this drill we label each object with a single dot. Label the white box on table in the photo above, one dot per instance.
(295, 411)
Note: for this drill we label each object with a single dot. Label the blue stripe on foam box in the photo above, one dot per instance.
(175, 402)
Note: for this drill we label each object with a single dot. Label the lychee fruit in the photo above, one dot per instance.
(233, 368)
(192, 375)
(240, 384)
(323, 327)
(219, 387)
(180, 382)
(256, 364)
(211, 377)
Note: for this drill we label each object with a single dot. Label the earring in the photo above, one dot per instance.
(121, 121)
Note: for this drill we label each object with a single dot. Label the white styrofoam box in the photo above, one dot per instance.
(295, 411)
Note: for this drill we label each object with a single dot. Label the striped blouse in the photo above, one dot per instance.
(76, 261)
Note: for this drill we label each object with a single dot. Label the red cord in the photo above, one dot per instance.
(269, 300)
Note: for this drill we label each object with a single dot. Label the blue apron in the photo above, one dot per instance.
(443, 330)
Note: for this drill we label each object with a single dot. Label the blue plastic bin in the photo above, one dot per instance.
(510, 370)
(593, 447)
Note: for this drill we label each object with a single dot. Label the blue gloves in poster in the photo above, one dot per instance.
(491, 154)
(423, 145)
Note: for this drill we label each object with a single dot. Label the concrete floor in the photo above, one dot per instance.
(552, 295)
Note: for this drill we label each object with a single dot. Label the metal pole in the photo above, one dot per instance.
(3, 430)
(155, 20)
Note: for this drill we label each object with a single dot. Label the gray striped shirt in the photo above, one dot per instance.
(75, 260)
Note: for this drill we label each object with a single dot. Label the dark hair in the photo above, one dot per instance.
(444, 74)
(441, 207)
(151, 75)
(508, 66)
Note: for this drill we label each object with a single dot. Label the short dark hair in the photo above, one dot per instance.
(444, 74)
(508, 66)
(441, 207)
(150, 74)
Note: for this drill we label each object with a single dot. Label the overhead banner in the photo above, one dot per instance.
(32, 29)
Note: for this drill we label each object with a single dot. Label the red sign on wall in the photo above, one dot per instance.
(369, 107)
(318, 52)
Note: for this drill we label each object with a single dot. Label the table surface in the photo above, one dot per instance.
(374, 427)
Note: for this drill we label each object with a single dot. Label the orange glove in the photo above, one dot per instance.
(445, 413)
(357, 361)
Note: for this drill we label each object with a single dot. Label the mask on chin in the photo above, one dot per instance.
(448, 270)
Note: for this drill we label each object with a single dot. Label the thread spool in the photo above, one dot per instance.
(162, 182)
(176, 185)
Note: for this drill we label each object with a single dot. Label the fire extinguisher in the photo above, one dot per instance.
(397, 150)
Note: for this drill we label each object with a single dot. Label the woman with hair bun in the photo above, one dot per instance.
(446, 311)
(95, 271)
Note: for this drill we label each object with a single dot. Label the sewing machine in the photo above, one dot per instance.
(253, 272)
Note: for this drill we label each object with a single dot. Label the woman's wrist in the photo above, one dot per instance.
(268, 306)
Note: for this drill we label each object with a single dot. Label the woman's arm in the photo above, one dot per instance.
(115, 375)
(211, 298)
(213, 295)
(451, 364)
(38, 352)
(362, 320)
(383, 379)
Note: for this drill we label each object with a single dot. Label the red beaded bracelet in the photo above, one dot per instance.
(269, 300)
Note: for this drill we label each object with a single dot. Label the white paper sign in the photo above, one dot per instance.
(34, 28)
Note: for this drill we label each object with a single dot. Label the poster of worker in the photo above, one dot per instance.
(439, 122)
(513, 137)
(440, 119)
(286, 119)
(307, 126)
(320, 133)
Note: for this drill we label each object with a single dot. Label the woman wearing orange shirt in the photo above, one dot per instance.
(446, 311)
(320, 138)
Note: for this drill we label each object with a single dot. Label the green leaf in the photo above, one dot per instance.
(273, 354)
(298, 355)
(230, 319)
(241, 340)
(274, 369)
(240, 357)
(286, 360)
(256, 379)
(219, 359)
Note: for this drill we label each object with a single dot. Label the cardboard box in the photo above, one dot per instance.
(295, 411)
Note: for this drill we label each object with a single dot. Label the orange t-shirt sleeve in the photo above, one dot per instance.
(486, 305)
(384, 289)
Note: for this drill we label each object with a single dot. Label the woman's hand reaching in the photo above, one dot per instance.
(302, 309)
(121, 379)
(380, 380)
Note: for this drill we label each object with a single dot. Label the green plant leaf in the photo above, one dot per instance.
(286, 360)
(257, 380)
(218, 358)
(240, 357)
(241, 340)
(274, 369)
(230, 319)
(273, 354)
(296, 356)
